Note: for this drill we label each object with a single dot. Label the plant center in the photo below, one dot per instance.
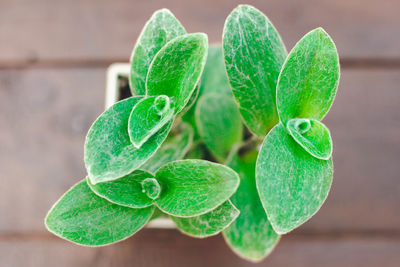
(151, 188)
(302, 125)
(162, 104)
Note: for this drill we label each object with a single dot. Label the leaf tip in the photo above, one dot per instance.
(162, 12)
(243, 7)
(320, 29)
(322, 32)
(137, 144)
(202, 37)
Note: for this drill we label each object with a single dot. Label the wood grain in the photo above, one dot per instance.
(169, 248)
(103, 31)
(44, 116)
(52, 76)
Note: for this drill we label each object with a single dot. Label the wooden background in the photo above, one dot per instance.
(53, 59)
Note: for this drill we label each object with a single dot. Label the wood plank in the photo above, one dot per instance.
(365, 126)
(169, 248)
(44, 116)
(93, 30)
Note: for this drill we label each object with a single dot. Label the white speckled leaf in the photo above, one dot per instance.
(109, 153)
(292, 184)
(251, 235)
(312, 135)
(126, 191)
(147, 117)
(208, 224)
(309, 78)
(161, 28)
(84, 218)
(219, 124)
(174, 148)
(177, 68)
(194, 187)
(191, 103)
(254, 54)
(214, 79)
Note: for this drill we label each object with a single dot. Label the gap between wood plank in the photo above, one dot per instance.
(346, 63)
(303, 235)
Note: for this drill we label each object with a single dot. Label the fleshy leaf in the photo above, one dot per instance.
(158, 214)
(214, 79)
(312, 135)
(309, 78)
(82, 217)
(254, 54)
(126, 191)
(219, 124)
(147, 117)
(197, 151)
(251, 235)
(174, 148)
(160, 29)
(208, 224)
(190, 104)
(109, 153)
(194, 187)
(177, 68)
(291, 183)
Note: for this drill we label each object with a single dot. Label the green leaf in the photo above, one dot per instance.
(158, 214)
(197, 151)
(147, 117)
(312, 135)
(219, 124)
(174, 148)
(208, 224)
(192, 101)
(254, 54)
(309, 78)
(214, 79)
(194, 187)
(177, 68)
(160, 29)
(82, 217)
(291, 183)
(109, 153)
(251, 235)
(126, 191)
